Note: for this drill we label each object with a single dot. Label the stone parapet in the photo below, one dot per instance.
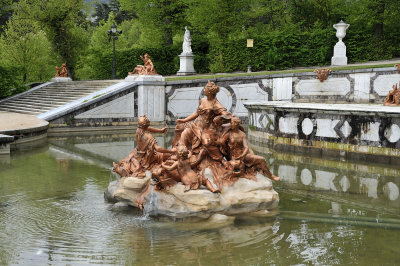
(365, 129)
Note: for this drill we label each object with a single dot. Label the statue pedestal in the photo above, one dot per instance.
(186, 65)
(150, 95)
(60, 79)
(339, 54)
(244, 196)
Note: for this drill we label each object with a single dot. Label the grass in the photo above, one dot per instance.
(94, 97)
(213, 76)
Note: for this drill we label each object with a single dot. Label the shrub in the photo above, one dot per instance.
(9, 83)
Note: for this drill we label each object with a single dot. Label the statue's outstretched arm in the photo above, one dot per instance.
(162, 150)
(189, 118)
(157, 130)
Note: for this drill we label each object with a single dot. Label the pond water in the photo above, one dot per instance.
(331, 211)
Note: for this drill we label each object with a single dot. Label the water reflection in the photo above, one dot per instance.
(337, 179)
(331, 212)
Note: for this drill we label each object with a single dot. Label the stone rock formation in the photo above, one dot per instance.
(244, 196)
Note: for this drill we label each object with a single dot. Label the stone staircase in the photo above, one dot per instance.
(46, 98)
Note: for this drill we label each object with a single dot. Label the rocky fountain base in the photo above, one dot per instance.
(244, 196)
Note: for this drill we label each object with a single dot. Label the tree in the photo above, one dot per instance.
(5, 12)
(101, 43)
(26, 47)
(159, 19)
(63, 23)
(102, 11)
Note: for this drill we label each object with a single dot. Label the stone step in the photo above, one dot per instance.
(73, 88)
(54, 95)
(37, 103)
(12, 110)
(100, 85)
(67, 91)
(41, 100)
(50, 96)
(26, 107)
(61, 94)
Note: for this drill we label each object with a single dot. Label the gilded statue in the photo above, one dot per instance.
(147, 155)
(210, 149)
(393, 97)
(189, 177)
(62, 71)
(322, 74)
(146, 69)
(398, 67)
(240, 156)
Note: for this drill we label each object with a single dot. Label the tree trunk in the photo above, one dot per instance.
(378, 25)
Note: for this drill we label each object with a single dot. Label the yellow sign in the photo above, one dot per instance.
(250, 42)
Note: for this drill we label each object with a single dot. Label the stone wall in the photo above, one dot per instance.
(183, 96)
(348, 130)
(344, 86)
(358, 86)
(122, 103)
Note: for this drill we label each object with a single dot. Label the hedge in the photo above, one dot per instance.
(276, 50)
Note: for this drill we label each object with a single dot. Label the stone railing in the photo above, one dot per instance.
(363, 131)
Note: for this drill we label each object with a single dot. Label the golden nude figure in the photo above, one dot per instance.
(240, 154)
(189, 178)
(147, 154)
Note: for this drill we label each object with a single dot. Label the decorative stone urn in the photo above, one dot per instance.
(339, 53)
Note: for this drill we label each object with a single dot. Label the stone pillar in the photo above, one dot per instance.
(186, 65)
(151, 95)
(339, 52)
(61, 79)
(5, 141)
(282, 89)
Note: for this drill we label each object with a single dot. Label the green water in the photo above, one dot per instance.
(52, 212)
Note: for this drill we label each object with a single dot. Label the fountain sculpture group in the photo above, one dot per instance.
(209, 168)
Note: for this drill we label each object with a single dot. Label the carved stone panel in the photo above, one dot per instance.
(383, 83)
(330, 87)
(247, 92)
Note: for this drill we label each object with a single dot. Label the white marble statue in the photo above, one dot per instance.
(187, 42)
(186, 57)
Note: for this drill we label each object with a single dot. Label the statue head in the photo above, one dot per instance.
(143, 122)
(211, 88)
(183, 152)
(235, 122)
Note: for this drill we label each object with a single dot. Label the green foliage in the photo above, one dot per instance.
(64, 24)
(9, 84)
(99, 64)
(36, 35)
(159, 19)
(26, 47)
(277, 50)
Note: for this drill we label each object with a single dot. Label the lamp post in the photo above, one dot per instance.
(114, 34)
